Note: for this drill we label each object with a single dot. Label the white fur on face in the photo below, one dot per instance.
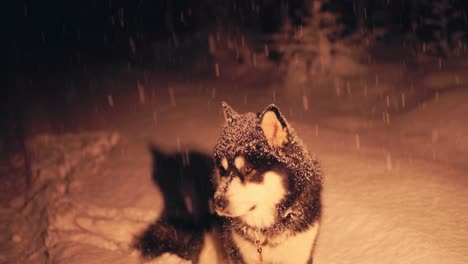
(224, 163)
(263, 197)
(291, 248)
(239, 162)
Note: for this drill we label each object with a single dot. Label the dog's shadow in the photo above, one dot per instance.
(184, 181)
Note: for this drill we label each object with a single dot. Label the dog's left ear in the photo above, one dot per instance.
(274, 126)
(229, 114)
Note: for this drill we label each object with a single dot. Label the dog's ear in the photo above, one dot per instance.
(274, 126)
(229, 114)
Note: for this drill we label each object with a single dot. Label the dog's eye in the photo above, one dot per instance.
(247, 168)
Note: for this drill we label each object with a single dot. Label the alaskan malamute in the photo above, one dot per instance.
(267, 189)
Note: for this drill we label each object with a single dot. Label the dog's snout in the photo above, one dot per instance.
(221, 203)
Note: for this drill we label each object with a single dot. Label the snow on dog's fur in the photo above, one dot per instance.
(267, 189)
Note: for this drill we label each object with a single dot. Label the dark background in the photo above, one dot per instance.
(66, 33)
(56, 49)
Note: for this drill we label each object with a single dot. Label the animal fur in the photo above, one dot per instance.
(267, 189)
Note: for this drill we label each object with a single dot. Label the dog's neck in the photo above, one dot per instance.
(268, 235)
(294, 218)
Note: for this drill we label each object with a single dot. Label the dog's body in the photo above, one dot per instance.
(267, 194)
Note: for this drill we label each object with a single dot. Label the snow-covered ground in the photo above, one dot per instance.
(395, 189)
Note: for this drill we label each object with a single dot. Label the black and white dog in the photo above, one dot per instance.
(267, 189)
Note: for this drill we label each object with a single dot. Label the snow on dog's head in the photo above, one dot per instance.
(256, 165)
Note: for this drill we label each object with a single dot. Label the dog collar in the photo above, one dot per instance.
(259, 238)
(259, 247)
(263, 237)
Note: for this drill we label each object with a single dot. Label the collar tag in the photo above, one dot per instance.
(259, 247)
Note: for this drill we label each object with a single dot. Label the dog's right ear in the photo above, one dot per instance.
(274, 126)
(229, 114)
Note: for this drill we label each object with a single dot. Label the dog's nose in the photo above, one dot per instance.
(221, 203)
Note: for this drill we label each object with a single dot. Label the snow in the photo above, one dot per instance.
(436, 130)
(445, 79)
(375, 213)
(393, 192)
(46, 208)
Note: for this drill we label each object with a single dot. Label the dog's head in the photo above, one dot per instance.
(251, 182)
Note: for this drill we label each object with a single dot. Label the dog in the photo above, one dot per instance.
(267, 189)
(264, 199)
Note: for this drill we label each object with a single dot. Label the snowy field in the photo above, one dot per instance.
(395, 187)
